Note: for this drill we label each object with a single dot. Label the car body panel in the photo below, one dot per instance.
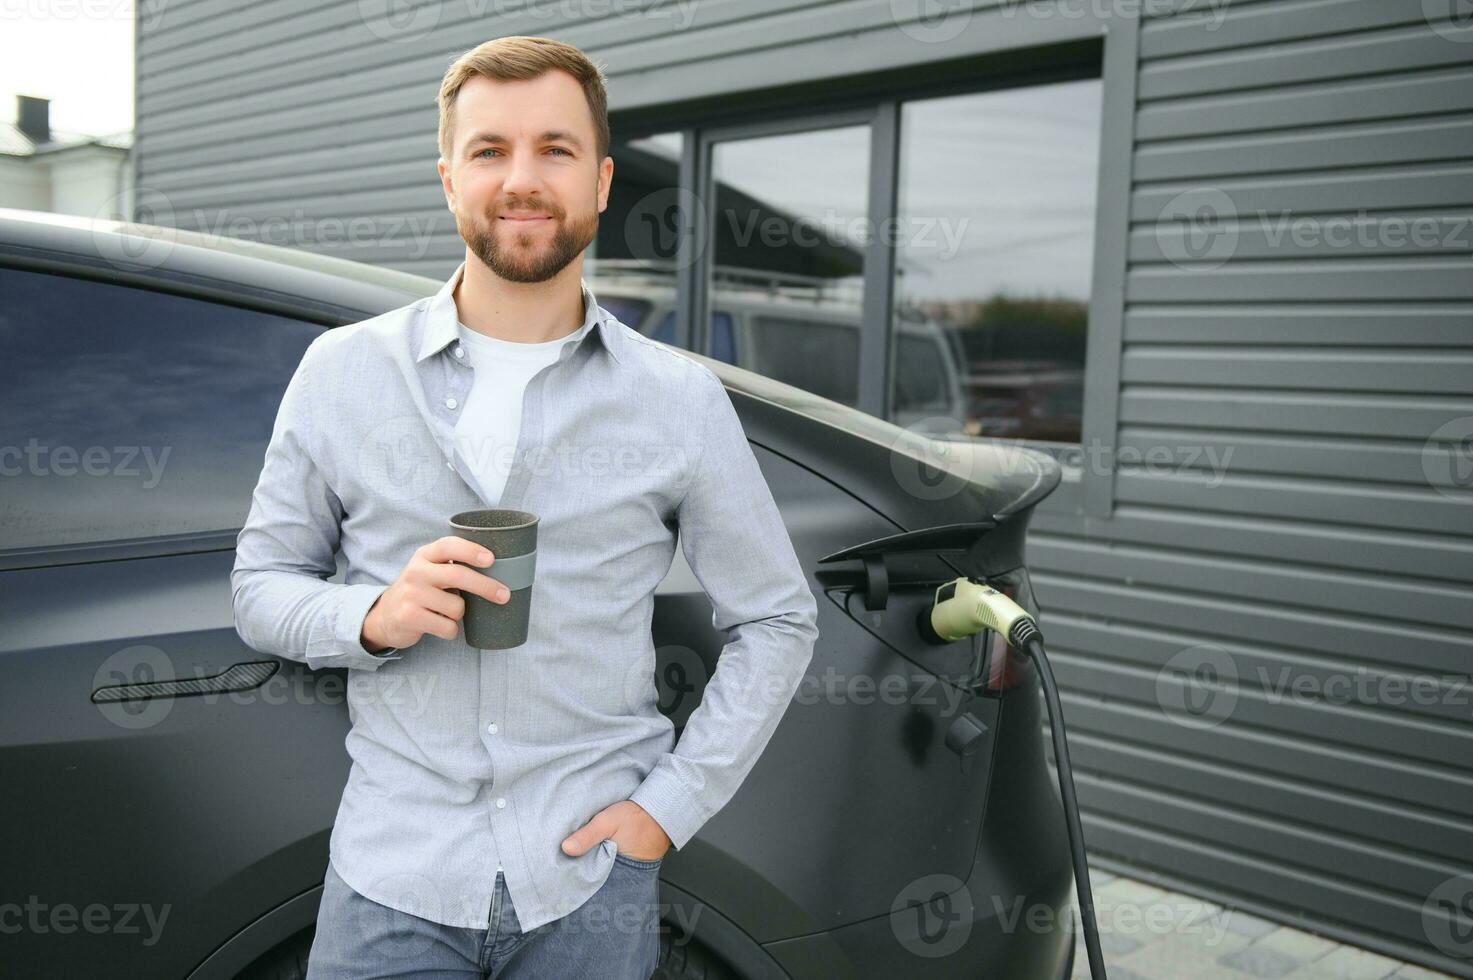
(220, 806)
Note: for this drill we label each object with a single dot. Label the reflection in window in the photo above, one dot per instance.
(631, 267)
(723, 343)
(993, 260)
(628, 310)
(789, 228)
(820, 357)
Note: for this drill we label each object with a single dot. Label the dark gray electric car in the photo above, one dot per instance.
(171, 791)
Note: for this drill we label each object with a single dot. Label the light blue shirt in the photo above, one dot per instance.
(463, 758)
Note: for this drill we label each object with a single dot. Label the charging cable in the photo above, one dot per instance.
(964, 607)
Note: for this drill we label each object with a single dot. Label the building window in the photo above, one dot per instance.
(995, 228)
(632, 265)
(786, 279)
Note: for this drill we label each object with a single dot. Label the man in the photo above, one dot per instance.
(507, 810)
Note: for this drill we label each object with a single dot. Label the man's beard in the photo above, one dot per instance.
(532, 263)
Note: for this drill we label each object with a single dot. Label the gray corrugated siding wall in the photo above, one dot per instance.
(1314, 366)
(1322, 360)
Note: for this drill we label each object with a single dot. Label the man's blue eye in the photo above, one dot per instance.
(557, 148)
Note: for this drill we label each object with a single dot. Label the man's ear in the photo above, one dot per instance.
(447, 183)
(605, 182)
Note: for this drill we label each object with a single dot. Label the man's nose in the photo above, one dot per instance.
(522, 175)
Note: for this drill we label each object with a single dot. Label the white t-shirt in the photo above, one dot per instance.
(486, 433)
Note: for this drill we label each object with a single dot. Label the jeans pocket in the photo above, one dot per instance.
(634, 862)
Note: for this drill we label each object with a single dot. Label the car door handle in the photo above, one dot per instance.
(237, 677)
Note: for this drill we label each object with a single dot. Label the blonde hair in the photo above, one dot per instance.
(521, 57)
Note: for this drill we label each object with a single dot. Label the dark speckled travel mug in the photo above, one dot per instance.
(511, 536)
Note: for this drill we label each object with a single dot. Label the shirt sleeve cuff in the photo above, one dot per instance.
(341, 644)
(663, 797)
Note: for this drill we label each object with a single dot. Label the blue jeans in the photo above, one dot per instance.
(612, 936)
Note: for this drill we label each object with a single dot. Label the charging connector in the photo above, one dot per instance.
(964, 607)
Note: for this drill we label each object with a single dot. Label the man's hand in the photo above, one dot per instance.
(635, 832)
(421, 600)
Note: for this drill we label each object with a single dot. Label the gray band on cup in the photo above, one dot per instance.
(516, 572)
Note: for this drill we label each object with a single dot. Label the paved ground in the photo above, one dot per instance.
(1147, 933)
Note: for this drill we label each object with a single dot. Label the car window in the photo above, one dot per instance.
(723, 344)
(920, 374)
(813, 355)
(131, 413)
(630, 312)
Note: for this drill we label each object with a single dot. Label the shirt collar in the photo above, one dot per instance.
(441, 317)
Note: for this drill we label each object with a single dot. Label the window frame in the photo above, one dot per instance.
(1089, 478)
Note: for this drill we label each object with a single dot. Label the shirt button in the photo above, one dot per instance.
(491, 728)
(501, 803)
(451, 403)
(459, 351)
(449, 464)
